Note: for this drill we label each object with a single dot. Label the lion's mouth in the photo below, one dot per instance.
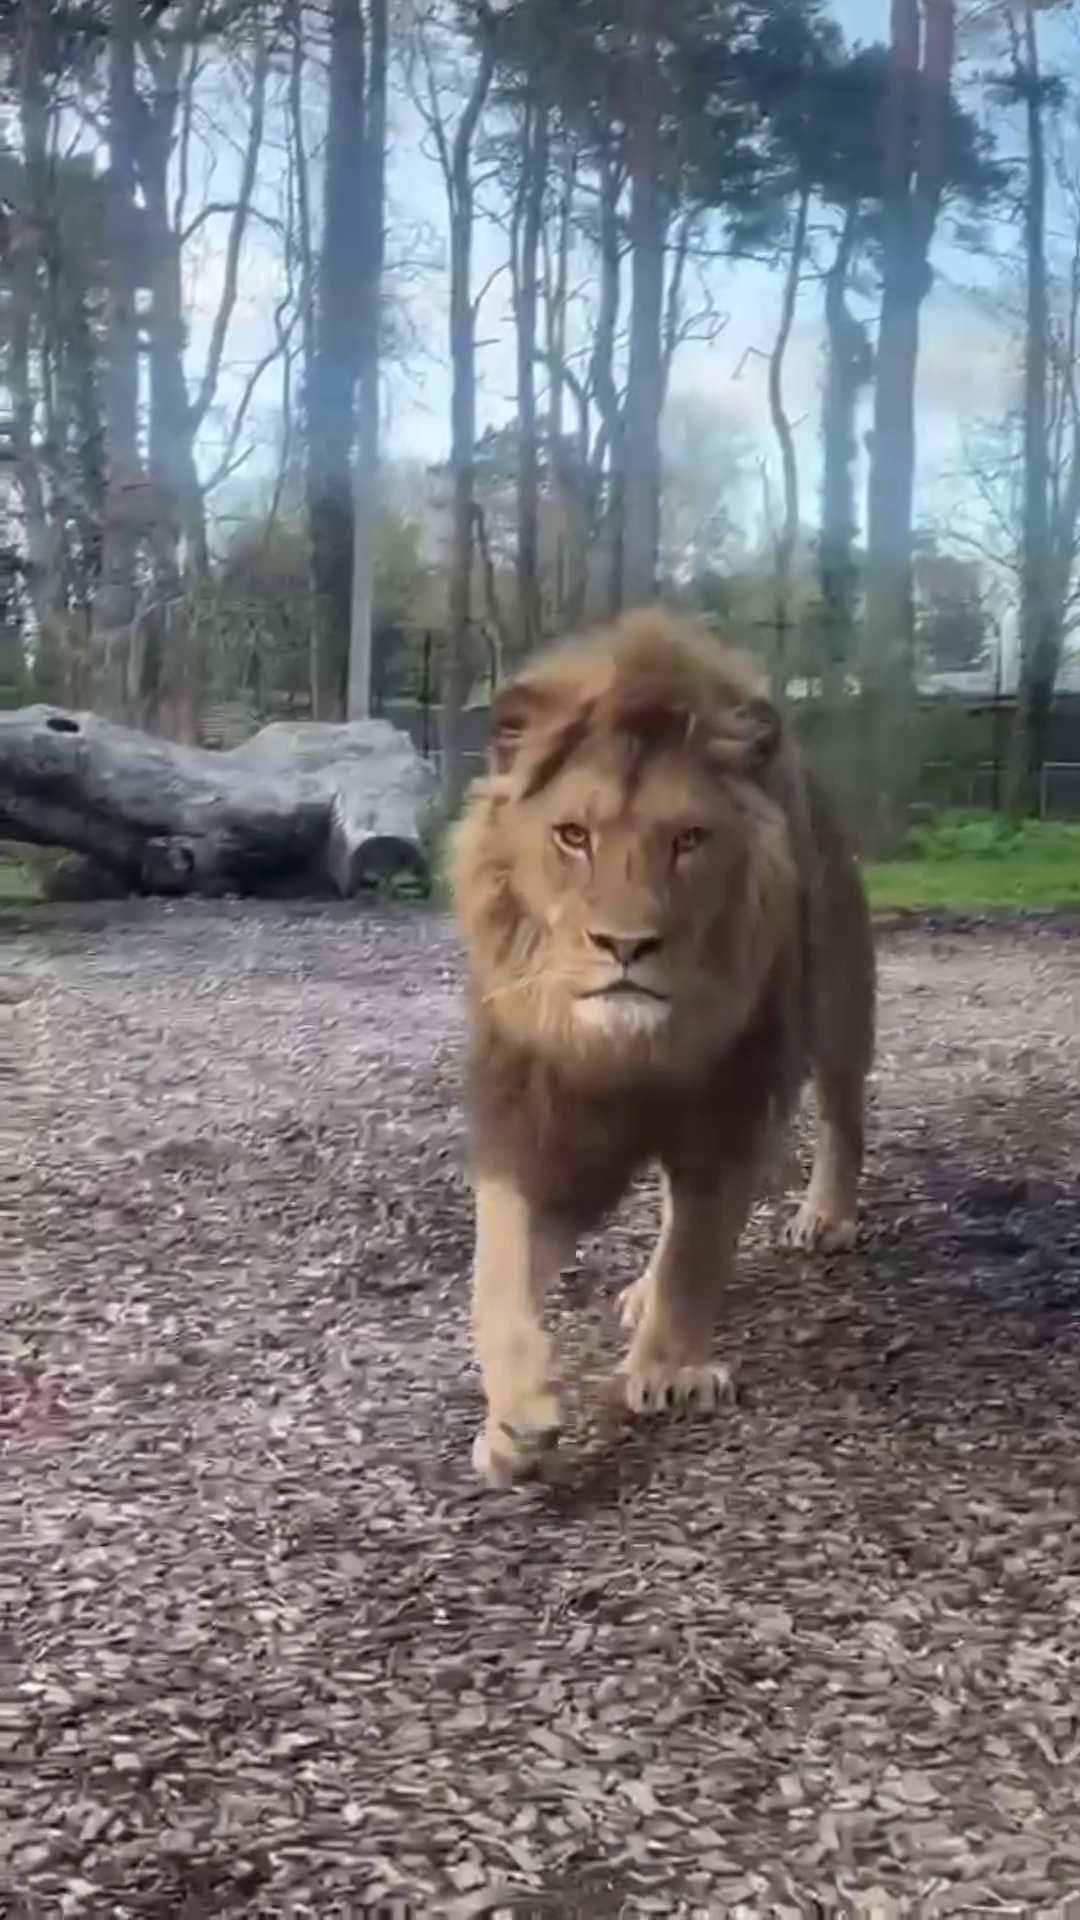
(619, 989)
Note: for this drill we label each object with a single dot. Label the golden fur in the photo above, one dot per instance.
(664, 930)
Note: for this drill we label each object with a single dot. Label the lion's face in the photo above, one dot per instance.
(624, 881)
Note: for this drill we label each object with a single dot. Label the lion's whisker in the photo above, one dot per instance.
(553, 976)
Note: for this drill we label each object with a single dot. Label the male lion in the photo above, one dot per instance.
(665, 931)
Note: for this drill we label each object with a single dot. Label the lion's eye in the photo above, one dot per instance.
(571, 835)
(689, 841)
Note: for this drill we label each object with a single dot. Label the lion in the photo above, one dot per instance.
(666, 935)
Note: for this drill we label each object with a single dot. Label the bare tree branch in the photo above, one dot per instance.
(281, 345)
(300, 176)
(183, 149)
(236, 208)
(491, 587)
(223, 317)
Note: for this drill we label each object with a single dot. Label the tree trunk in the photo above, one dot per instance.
(567, 475)
(373, 186)
(457, 659)
(610, 441)
(788, 536)
(534, 165)
(917, 98)
(43, 566)
(331, 397)
(78, 394)
(1040, 632)
(179, 517)
(115, 600)
(301, 808)
(21, 265)
(848, 362)
(53, 366)
(172, 669)
(645, 375)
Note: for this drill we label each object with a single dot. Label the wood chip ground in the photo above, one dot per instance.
(269, 1651)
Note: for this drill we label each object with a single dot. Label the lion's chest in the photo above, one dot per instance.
(574, 1149)
(585, 1151)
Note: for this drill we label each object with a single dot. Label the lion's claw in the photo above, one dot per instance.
(508, 1450)
(661, 1389)
(811, 1232)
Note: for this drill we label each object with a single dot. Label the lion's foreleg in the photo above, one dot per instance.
(517, 1256)
(675, 1306)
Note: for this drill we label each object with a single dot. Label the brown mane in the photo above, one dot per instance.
(649, 676)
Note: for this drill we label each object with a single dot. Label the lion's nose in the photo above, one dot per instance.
(626, 948)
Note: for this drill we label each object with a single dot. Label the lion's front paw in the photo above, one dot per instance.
(814, 1232)
(510, 1447)
(656, 1388)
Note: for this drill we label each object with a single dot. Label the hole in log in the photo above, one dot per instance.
(59, 723)
(385, 860)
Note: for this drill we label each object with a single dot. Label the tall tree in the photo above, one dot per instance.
(839, 134)
(527, 226)
(372, 188)
(163, 661)
(23, 242)
(115, 601)
(849, 366)
(455, 144)
(921, 55)
(567, 456)
(788, 531)
(640, 439)
(1041, 597)
(336, 357)
(671, 113)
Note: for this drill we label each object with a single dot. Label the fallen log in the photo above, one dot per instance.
(301, 807)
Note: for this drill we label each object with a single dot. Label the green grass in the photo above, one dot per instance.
(978, 863)
(18, 882)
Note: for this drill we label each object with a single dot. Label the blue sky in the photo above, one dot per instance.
(968, 364)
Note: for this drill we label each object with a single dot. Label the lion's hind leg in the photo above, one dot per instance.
(674, 1308)
(825, 1221)
(635, 1296)
(844, 997)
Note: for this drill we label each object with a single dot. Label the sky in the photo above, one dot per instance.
(967, 374)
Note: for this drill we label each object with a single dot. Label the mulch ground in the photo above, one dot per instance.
(275, 1653)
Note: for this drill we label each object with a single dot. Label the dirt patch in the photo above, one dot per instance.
(278, 1655)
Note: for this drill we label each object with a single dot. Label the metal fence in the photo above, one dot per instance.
(979, 788)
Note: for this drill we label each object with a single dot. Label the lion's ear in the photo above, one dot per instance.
(516, 708)
(754, 740)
